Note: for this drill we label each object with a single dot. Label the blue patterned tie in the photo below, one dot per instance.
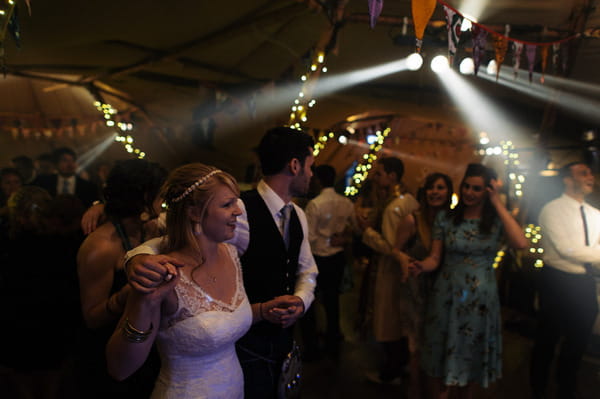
(286, 211)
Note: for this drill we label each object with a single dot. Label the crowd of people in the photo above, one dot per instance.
(176, 285)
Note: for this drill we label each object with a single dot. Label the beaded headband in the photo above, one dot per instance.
(198, 183)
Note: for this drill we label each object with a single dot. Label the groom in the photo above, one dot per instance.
(278, 267)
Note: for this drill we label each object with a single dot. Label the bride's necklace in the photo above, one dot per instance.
(205, 275)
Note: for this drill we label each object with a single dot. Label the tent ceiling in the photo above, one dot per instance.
(168, 57)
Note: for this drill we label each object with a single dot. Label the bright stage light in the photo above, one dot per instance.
(440, 64)
(343, 140)
(466, 25)
(467, 66)
(371, 139)
(414, 61)
(492, 67)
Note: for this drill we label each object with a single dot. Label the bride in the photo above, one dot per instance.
(197, 316)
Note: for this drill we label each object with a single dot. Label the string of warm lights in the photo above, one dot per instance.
(534, 234)
(123, 138)
(516, 181)
(304, 100)
(362, 169)
(322, 142)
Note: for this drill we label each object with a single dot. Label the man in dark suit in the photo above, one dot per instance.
(66, 181)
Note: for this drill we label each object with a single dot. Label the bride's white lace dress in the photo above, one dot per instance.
(197, 343)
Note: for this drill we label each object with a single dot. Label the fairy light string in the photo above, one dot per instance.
(122, 128)
(304, 100)
(361, 172)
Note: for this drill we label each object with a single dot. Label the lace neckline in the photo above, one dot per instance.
(234, 302)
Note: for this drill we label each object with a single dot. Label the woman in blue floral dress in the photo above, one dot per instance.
(462, 334)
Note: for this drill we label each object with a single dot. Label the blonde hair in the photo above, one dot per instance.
(180, 231)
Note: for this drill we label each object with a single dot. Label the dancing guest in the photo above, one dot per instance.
(330, 219)
(132, 205)
(197, 316)
(568, 302)
(462, 333)
(414, 242)
(279, 270)
(388, 317)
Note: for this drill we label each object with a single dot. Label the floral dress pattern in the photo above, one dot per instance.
(462, 341)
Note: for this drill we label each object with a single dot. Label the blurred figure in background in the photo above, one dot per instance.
(331, 219)
(38, 299)
(67, 181)
(44, 164)
(24, 165)
(132, 205)
(388, 317)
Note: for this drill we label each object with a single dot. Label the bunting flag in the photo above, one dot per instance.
(375, 7)
(14, 28)
(530, 54)
(422, 10)
(544, 55)
(500, 46)
(555, 56)
(479, 41)
(453, 24)
(565, 58)
(518, 49)
(560, 46)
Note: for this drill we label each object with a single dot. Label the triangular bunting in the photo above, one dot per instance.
(544, 55)
(375, 7)
(453, 25)
(500, 47)
(530, 54)
(422, 10)
(555, 56)
(518, 49)
(479, 42)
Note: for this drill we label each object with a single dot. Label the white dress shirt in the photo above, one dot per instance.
(564, 235)
(60, 184)
(328, 213)
(307, 268)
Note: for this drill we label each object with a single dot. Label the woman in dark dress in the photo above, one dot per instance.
(131, 208)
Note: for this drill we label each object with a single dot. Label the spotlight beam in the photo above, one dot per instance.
(331, 84)
(478, 109)
(577, 104)
(272, 102)
(90, 156)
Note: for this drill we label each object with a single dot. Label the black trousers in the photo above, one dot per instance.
(261, 353)
(568, 308)
(331, 272)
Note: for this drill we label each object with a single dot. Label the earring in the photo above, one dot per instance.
(197, 229)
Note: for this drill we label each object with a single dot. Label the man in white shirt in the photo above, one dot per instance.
(329, 216)
(278, 267)
(567, 290)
